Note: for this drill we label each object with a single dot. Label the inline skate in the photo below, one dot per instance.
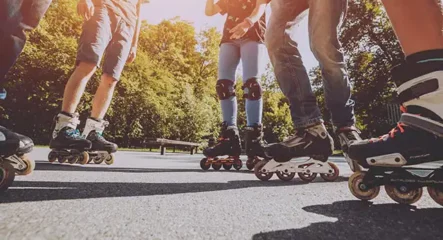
(417, 139)
(254, 145)
(228, 144)
(346, 136)
(101, 150)
(313, 142)
(13, 159)
(66, 143)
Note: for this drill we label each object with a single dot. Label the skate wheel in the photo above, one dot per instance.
(331, 176)
(359, 189)
(436, 194)
(62, 159)
(285, 176)
(305, 176)
(7, 175)
(30, 166)
(264, 176)
(238, 165)
(404, 195)
(216, 165)
(227, 166)
(250, 163)
(204, 164)
(83, 158)
(110, 159)
(52, 157)
(98, 160)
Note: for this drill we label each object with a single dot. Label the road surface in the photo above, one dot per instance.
(149, 196)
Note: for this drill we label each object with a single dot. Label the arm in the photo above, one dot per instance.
(134, 46)
(242, 28)
(211, 9)
(258, 11)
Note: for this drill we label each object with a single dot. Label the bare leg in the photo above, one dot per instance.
(103, 97)
(417, 23)
(76, 86)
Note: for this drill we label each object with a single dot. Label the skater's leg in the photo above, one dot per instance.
(415, 21)
(288, 66)
(95, 37)
(229, 58)
(103, 96)
(325, 19)
(17, 17)
(115, 59)
(253, 67)
(76, 86)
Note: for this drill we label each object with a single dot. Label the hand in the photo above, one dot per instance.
(132, 55)
(241, 29)
(85, 8)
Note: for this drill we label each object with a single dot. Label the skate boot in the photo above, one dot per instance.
(418, 138)
(13, 159)
(101, 148)
(228, 144)
(313, 142)
(254, 145)
(66, 143)
(348, 135)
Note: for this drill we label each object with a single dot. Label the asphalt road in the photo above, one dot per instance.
(148, 196)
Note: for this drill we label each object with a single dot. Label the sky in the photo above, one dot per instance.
(193, 11)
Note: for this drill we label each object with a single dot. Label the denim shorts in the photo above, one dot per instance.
(106, 33)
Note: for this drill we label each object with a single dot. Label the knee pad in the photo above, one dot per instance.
(225, 89)
(252, 89)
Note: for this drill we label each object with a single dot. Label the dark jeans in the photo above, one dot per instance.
(17, 17)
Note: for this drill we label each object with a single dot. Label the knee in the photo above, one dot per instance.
(252, 89)
(109, 81)
(85, 68)
(225, 89)
(327, 50)
(274, 40)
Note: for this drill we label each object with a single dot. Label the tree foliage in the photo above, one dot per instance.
(168, 92)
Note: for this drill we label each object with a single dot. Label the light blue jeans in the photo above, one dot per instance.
(251, 54)
(325, 20)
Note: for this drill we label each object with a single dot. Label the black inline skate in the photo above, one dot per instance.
(13, 159)
(102, 149)
(66, 144)
(313, 142)
(228, 144)
(347, 136)
(418, 138)
(254, 145)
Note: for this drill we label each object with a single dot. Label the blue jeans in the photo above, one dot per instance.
(17, 17)
(325, 19)
(251, 55)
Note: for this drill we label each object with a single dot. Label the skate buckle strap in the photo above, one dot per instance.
(422, 123)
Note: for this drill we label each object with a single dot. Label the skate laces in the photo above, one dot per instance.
(399, 128)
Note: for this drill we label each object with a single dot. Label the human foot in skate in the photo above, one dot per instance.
(254, 145)
(66, 143)
(101, 149)
(228, 144)
(348, 135)
(13, 150)
(313, 141)
(417, 138)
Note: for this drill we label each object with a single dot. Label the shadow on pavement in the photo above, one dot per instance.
(28, 191)
(362, 220)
